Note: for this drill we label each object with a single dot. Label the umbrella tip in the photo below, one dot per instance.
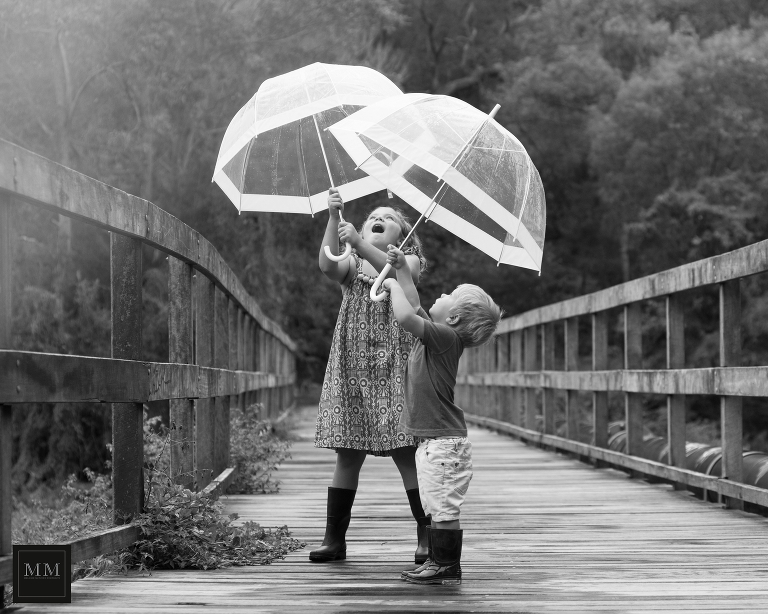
(494, 111)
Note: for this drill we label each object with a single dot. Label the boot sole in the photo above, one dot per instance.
(443, 581)
(325, 559)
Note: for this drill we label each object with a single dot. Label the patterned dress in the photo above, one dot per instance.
(363, 394)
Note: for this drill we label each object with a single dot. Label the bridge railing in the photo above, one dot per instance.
(222, 349)
(513, 385)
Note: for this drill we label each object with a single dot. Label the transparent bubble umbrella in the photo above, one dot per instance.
(458, 167)
(276, 154)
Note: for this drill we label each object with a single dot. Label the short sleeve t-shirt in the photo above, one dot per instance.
(430, 379)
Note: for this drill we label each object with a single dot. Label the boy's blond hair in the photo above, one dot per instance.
(478, 315)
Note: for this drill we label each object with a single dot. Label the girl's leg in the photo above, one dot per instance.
(405, 459)
(341, 496)
(348, 465)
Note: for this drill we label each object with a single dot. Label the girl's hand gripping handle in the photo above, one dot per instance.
(375, 296)
(335, 203)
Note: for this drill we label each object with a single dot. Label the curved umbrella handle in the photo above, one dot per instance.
(340, 257)
(375, 296)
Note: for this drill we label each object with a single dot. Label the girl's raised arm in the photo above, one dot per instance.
(337, 271)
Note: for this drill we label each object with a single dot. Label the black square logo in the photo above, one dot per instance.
(42, 574)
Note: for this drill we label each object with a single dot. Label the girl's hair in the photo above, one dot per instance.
(414, 243)
(478, 315)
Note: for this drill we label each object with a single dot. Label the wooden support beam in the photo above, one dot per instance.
(731, 406)
(572, 364)
(530, 365)
(127, 418)
(515, 412)
(633, 359)
(180, 347)
(205, 425)
(676, 402)
(548, 364)
(221, 361)
(600, 363)
(6, 418)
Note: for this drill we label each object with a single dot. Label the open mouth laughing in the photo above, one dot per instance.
(377, 227)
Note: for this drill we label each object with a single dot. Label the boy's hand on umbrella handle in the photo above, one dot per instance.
(375, 296)
(335, 203)
(395, 257)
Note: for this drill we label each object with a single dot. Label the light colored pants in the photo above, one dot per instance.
(444, 469)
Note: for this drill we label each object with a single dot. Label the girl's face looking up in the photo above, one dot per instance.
(382, 228)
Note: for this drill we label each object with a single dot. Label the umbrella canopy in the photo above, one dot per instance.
(276, 154)
(458, 167)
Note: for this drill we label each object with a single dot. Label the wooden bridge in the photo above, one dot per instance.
(558, 519)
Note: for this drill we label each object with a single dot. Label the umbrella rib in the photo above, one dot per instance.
(306, 179)
(322, 148)
(242, 177)
(525, 197)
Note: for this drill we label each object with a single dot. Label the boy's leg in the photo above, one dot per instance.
(444, 478)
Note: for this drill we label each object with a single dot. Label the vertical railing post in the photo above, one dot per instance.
(263, 365)
(6, 432)
(600, 363)
(530, 367)
(241, 366)
(205, 426)
(515, 413)
(548, 364)
(572, 364)
(221, 361)
(633, 359)
(676, 402)
(127, 418)
(502, 366)
(180, 343)
(731, 406)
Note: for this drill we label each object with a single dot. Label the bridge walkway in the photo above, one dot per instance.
(543, 533)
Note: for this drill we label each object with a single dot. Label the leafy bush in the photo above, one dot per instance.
(256, 450)
(179, 528)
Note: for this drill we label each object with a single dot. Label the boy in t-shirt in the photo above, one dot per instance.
(465, 318)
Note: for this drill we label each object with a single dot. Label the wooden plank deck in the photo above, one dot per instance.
(543, 533)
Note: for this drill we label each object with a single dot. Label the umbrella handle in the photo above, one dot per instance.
(340, 257)
(375, 296)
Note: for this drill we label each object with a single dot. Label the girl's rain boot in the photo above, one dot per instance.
(334, 546)
(445, 567)
(422, 522)
(426, 563)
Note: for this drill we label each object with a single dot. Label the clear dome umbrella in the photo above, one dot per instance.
(458, 167)
(276, 155)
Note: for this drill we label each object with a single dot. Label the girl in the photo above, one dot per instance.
(362, 396)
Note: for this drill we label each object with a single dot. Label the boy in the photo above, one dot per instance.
(465, 318)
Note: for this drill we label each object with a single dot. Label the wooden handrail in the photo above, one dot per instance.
(739, 263)
(240, 355)
(511, 385)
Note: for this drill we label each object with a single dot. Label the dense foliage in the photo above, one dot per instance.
(646, 119)
(180, 528)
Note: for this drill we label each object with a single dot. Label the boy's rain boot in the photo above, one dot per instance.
(425, 564)
(334, 546)
(422, 522)
(445, 567)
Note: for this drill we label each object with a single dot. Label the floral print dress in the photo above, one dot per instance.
(363, 391)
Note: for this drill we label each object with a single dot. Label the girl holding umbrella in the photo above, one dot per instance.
(362, 395)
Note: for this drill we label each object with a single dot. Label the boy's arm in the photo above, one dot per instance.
(399, 262)
(403, 311)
